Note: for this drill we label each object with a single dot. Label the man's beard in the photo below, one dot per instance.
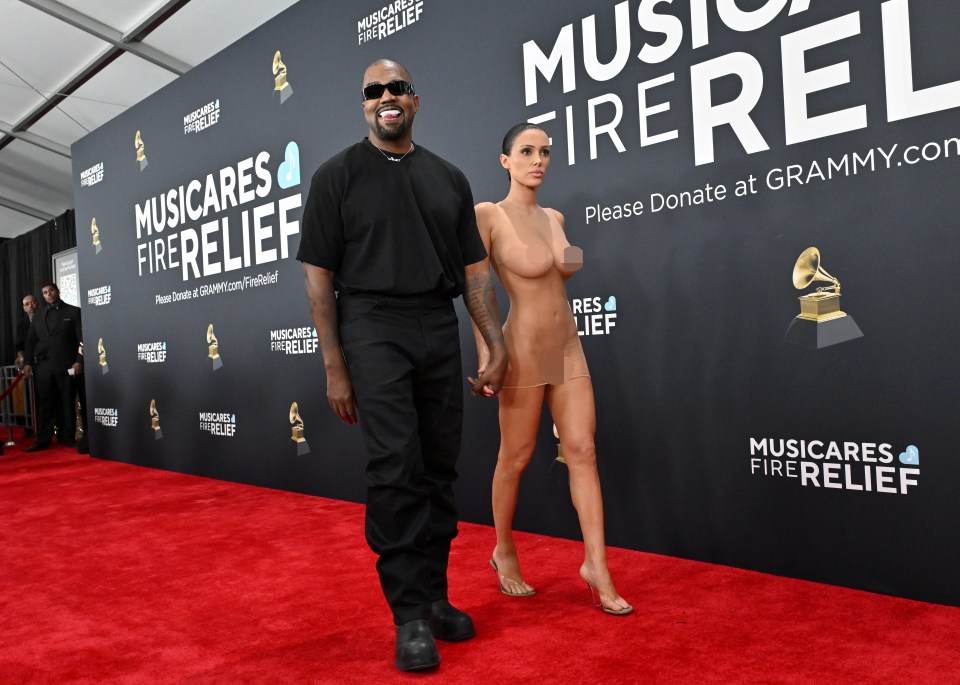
(391, 133)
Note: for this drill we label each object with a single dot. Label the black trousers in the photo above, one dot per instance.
(404, 360)
(56, 397)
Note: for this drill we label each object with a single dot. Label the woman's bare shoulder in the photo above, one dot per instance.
(488, 220)
(555, 214)
(486, 210)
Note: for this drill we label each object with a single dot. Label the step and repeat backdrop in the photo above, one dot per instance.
(725, 165)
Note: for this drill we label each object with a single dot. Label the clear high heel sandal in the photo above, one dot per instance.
(598, 602)
(501, 578)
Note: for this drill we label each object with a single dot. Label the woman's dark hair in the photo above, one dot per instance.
(513, 133)
(512, 136)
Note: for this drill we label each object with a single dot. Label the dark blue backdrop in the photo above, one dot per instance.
(684, 311)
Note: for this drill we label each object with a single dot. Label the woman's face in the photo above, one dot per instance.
(529, 157)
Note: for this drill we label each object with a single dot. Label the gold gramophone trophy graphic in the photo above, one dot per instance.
(821, 322)
(96, 235)
(281, 85)
(213, 347)
(296, 430)
(155, 420)
(104, 369)
(141, 156)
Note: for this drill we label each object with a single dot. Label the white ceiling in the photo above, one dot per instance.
(86, 61)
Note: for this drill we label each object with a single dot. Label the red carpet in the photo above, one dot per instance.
(113, 573)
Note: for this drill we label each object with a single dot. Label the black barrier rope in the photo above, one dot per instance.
(16, 381)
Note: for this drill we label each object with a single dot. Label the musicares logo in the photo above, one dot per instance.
(152, 352)
(221, 424)
(301, 340)
(389, 19)
(594, 315)
(106, 416)
(99, 296)
(92, 175)
(861, 466)
(202, 118)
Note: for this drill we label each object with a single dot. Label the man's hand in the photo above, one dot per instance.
(489, 380)
(77, 369)
(323, 310)
(483, 359)
(27, 370)
(340, 395)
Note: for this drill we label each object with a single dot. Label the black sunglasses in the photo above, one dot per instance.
(375, 90)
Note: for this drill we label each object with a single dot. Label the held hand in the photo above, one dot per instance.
(483, 358)
(490, 376)
(340, 395)
(27, 370)
(77, 369)
(487, 389)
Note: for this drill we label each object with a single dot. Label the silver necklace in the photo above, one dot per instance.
(395, 159)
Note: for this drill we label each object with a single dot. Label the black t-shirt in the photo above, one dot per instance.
(392, 228)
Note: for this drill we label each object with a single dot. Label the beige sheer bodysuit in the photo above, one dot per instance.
(543, 346)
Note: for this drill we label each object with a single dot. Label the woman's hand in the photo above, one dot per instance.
(483, 357)
(490, 373)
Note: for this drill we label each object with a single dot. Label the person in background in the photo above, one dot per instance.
(51, 357)
(83, 446)
(532, 257)
(30, 306)
(391, 227)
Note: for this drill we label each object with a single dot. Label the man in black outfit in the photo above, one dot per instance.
(30, 306)
(391, 227)
(52, 358)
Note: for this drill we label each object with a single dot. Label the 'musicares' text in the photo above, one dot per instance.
(867, 467)
(235, 236)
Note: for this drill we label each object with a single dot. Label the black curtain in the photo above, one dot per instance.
(26, 263)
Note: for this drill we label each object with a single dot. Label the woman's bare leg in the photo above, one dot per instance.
(519, 420)
(572, 408)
